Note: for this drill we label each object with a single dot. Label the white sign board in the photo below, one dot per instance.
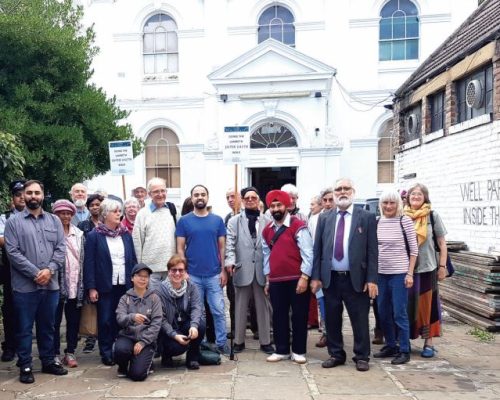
(121, 157)
(236, 144)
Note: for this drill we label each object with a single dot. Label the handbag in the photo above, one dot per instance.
(449, 266)
(88, 320)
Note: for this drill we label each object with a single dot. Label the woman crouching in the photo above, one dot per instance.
(139, 314)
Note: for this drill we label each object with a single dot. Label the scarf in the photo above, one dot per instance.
(129, 225)
(419, 218)
(176, 293)
(252, 216)
(106, 231)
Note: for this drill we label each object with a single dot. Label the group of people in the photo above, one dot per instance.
(153, 276)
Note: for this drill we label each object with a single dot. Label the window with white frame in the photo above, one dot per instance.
(160, 45)
(385, 162)
(277, 22)
(398, 31)
(162, 157)
(475, 94)
(272, 135)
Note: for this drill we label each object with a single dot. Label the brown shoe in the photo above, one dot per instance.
(362, 365)
(379, 337)
(321, 342)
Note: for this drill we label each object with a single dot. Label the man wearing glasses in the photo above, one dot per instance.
(345, 265)
(244, 262)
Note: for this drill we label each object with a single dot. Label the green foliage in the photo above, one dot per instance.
(11, 163)
(482, 335)
(63, 122)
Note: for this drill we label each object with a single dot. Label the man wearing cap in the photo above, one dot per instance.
(244, 263)
(16, 189)
(346, 265)
(34, 240)
(78, 195)
(287, 250)
(140, 193)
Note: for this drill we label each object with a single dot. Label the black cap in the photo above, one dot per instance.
(16, 186)
(244, 191)
(140, 267)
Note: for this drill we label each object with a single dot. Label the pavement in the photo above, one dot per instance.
(464, 369)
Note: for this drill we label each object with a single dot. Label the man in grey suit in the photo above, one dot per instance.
(345, 265)
(244, 262)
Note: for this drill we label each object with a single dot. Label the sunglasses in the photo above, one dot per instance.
(174, 271)
(250, 198)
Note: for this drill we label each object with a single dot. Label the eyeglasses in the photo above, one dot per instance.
(343, 189)
(174, 271)
(158, 191)
(328, 199)
(250, 198)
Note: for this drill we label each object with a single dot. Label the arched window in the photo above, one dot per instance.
(162, 157)
(160, 47)
(385, 153)
(276, 22)
(399, 29)
(272, 135)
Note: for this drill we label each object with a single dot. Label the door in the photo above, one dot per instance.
(266, 179)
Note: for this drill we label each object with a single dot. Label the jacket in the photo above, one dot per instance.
(80, 238)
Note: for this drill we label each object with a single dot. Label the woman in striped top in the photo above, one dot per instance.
(397, 254)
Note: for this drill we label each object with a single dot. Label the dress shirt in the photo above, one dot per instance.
(117, 253)
(342, 265)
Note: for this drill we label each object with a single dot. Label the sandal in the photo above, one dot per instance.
(428, 351)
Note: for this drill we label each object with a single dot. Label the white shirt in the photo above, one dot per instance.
(343, 265)
(117, 252)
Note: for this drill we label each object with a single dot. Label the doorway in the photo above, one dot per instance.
(266, 179)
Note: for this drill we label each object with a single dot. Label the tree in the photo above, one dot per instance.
(12, 162)
(63, 122)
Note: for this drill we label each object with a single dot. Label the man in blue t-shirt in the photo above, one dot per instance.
(201, 239)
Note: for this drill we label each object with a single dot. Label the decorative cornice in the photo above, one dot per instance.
(320, 152)
(191, 33)
(364, 22)
(435, 18)
(150, 104)
(242, 30)
(212, 155)
(309, 26)
(127, 37)
(365, 142)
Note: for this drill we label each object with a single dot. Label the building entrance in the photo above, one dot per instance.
(266, 179)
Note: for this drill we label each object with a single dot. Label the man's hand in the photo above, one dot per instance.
(301, 285)
(140, 319)
(181, 339)
(372, 289)
(138, 348)
(230, 269)
(315, 285)
(43, 277)
(193, 333)
(223, 277)
(93, 295)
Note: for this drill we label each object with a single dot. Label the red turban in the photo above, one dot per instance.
(278, 195)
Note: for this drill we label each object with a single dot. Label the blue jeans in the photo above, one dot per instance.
(209, 287)
(392, 308)
(107, 327)
(40, 307)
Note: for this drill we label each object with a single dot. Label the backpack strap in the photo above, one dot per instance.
(173, 211)
(434, 239)
(277, 235)
(407, 245)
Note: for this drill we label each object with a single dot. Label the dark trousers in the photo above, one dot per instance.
(72, 315)
(35, 307)
(107, 327)
(341, 292)
(171, 347)
(8, 316)
(137, 366)
(284, 298)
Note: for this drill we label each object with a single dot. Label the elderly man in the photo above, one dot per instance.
(78, 195)
(327, 199)
(9, 344)
(244, 263)
(34, 240)
(346, 265)
(140, 193)
(294, 196)
(154, 232)
(287, 250)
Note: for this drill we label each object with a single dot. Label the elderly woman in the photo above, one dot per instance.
(397, 254)
(424, 308)
(110, 257)
(139, 314)
(93, 203)
(183, 326)
(131, 207)
(71, 283)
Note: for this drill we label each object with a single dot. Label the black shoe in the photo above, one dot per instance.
(230, 335)
(255, 336)
(107, 361)
(224, 350)
(401, 358)
(167, 362)
(238, 348)
(387, 351)
(26, 375)
(267, 348)
(54, 369)
(192, 365)
(89, 345)
(122, 371)
(8, 355)
(332, 362)
(362, 365)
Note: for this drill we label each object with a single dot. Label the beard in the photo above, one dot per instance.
(278, 215)
(200, 205)
(80, 203)
(33, 204)
(344, 202)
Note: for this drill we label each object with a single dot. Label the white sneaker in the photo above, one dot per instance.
(275, 357)
(57, 360)
(299, 358)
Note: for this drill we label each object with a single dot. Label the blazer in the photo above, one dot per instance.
(362, 248)
(244, 252)
(97, 266)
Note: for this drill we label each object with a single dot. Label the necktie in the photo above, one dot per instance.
(338, 251)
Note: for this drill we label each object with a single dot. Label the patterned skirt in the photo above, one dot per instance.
(424, 307)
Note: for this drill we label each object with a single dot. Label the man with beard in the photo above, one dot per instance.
(244, 263)
(9, 344)
(201, 238)
(35, 244)
(78, 195)
(287, 251)
(345, 265)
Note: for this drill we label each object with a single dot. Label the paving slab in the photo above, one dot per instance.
(264, 388)
(203, 386)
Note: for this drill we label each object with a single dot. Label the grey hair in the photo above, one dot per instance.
(317, 200)
(107, 206)
(391, 195)
(156, 181)
(290, 189)
(326, 191)
(131, 200)
(76, 184)
(345, 179)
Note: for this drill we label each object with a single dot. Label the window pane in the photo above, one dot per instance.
(289, 34)
(412, 49)
(277, 32)
(173, 62)
(398, 28)
(161, 63)
(384, 149)
(263, 33)
(150, 156)
(385, 171)
(170, 25)
(172, 43)
(412, 27)
(284, 14)
(149, 64)
(385, 28)
(267, 16)
(408, 7)
(385, 51)
(160, 41)
(398, 50)
(148, 42)
(389, 8)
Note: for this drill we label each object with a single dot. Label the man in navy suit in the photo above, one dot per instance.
(345, 265)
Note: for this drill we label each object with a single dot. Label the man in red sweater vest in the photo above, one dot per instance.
(287, 250)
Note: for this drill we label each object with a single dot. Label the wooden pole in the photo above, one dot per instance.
(123, 186)
(236, 202)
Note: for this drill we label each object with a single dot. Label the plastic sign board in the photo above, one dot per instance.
(121, 157)
(236, 144)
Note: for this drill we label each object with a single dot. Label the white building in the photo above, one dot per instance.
(313, 97)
